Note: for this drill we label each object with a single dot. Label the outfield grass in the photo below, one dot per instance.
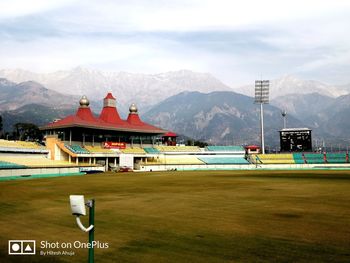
(224, 216)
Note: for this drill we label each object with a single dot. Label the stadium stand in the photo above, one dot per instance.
(10, 165)
(151, 150)
(133, 150)
(177, 148)
(314, 158)
(275, 158)
(223, 160)
(336, 157)
(98, 149)
(225, 148)
(174, 159)
(21, 146)
(33, 162)
(298, 158)
(76, 149)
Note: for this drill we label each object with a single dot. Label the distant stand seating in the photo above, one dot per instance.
(299, 158)
(274, 158)
(98, 149)
(162, 148)
(77, 149)
(336, 158)
(133, 150)
(151, 150)
(21, 146)
(223, 160)
(225, 148)
(314, 158)
(10, 165)
(179, 159)
(295, 158)
(20, 162)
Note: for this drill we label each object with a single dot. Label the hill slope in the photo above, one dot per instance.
(309, 108)
(217, 117)
(14, 96)
(32, 113)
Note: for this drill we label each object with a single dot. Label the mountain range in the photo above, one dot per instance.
(218, 117)
(290, 84)
(192, 104)
(145, 90)
(13, 95)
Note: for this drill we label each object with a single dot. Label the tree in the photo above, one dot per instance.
(196, 143)
(27, 131)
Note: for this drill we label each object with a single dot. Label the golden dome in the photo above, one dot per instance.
(133, 108)
(84, 102)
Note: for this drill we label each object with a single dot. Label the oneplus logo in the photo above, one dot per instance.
(21, 247)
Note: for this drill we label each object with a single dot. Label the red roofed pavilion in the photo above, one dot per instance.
(86, 128)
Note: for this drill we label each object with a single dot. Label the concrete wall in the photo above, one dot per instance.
(35, 171)
(52, 170)
(194, 167)
(242, 167)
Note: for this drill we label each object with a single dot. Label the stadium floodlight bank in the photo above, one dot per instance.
(262, 92)
(262, 97)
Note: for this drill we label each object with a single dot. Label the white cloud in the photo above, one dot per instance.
(235, 40)
(181, 15)
(17, 8)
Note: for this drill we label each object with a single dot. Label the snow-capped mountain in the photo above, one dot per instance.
(143, 89)
(292, 85)
(14, 96)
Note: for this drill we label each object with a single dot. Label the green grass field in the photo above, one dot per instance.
(223, 216)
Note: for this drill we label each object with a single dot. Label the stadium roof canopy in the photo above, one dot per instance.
(294, 129)
(109, 119)
(170, 134)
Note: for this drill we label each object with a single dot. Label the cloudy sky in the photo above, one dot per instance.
(237, 41)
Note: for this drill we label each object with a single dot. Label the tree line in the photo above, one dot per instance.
(21, 132)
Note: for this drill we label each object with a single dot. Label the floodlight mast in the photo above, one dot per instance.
(262, 97)
(284, 115)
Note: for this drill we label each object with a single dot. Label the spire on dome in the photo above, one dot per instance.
(84, 111)
(84, 102)
(133, 109)
(109, 101)
(133, 117)
(109, 112)
(109, 96)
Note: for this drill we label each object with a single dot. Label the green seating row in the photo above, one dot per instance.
(336, 157)
(223, 160)
(151, 150)
(8, 165)
(314, 158)
(77, 149)
(298, 158)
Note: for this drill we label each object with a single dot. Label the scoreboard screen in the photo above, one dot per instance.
(295, 140)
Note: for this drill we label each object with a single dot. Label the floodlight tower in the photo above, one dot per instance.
(262, 97)
(284, 116)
